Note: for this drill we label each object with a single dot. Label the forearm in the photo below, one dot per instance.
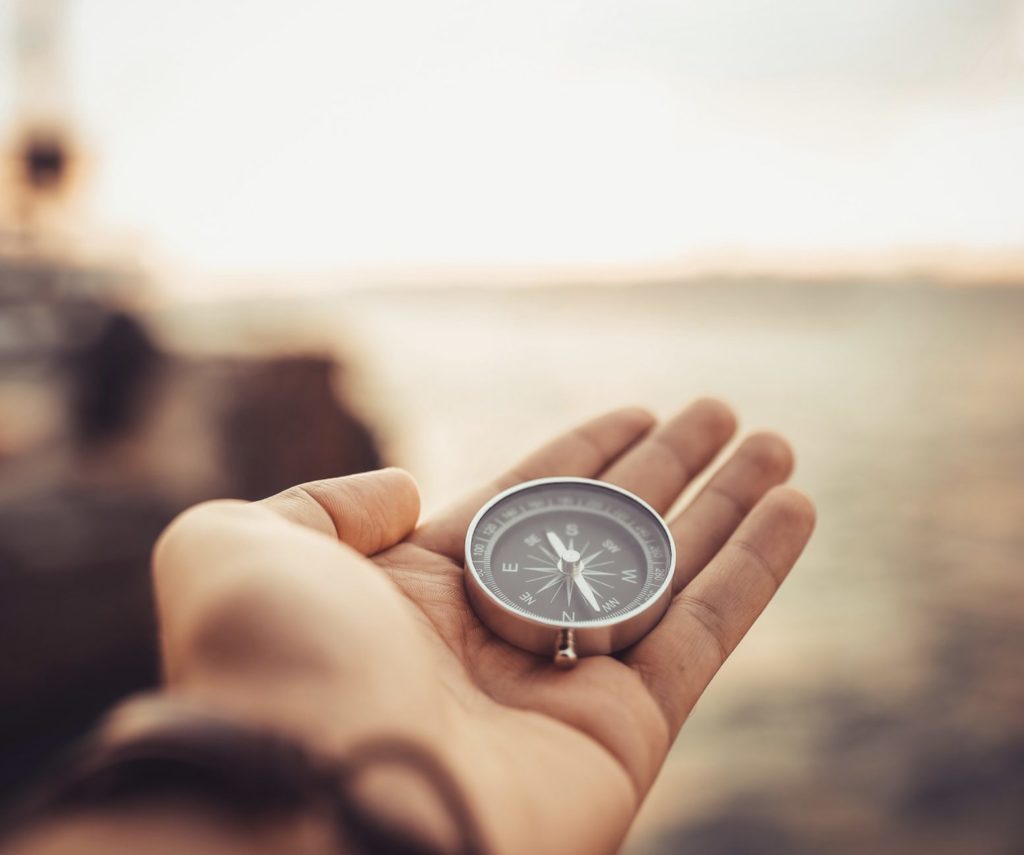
(166, 827)
(189, 778)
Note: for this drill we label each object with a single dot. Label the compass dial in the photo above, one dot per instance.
(570, 552)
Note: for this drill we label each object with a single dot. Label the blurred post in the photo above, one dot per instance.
(41, 156)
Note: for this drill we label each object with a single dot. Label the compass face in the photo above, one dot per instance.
(570, 552)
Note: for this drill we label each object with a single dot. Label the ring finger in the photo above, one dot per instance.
(763, 460)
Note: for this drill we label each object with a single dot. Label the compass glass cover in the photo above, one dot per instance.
(570, 552)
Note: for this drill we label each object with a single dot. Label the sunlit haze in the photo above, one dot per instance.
(314, 137)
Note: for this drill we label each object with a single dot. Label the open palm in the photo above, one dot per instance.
(325, 611)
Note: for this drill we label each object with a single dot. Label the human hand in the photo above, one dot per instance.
(326, 613)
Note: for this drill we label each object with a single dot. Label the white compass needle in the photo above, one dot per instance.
(556, 544)
(587, 591)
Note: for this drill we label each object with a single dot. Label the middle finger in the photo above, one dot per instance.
(762, 461)
(659, 467)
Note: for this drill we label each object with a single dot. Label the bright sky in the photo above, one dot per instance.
(318, 136)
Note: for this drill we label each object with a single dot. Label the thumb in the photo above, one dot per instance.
(369, 512)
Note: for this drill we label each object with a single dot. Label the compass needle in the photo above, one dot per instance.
(588, 593)
(556, 544)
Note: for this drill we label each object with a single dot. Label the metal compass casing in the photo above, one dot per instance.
(569, 567)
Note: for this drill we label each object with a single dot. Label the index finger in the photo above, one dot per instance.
(583, 452)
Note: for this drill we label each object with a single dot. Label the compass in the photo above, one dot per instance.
(569, 567)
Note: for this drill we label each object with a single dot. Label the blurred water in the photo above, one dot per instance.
(878, 704)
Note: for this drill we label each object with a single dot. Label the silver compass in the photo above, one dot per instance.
(569, 567)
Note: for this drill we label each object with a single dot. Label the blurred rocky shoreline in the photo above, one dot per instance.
(130, 434)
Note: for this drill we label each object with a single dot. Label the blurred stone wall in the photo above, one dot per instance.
(145, 434)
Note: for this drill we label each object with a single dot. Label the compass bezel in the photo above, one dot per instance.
(539, 634)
